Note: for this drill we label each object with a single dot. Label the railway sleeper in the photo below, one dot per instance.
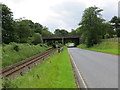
(26, 68)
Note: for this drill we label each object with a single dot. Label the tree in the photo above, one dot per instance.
(91, 26)
(106, 29)
(38, 28)
(116, 24)
(57, 32)
(7, 24)
(61, 32)
(77, 31)
(23, 30)
(73, 32)
(64, 32)
(20, 30)
(37, 38)
(45, 32)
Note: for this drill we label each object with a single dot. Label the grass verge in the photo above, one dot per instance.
(13, 52)
(55, 72)
(107, 46)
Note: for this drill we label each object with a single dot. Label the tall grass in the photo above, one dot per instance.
(55, 72)
(107, 46)
(11, 56)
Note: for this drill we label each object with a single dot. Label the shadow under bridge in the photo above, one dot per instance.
(62, 39)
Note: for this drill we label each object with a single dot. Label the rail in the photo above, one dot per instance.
(20, 67)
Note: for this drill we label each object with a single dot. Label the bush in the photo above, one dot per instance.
(11, 56)
(15, 46)
(37, 38)
(107, 36)
(114, 36)
(30, 40)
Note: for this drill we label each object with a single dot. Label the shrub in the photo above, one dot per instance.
(37, 38)
(114, 36)
(107, 36)
(16, 48)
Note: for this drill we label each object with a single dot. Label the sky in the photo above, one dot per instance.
(62, 14)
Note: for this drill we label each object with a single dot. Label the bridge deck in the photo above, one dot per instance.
(60, 37)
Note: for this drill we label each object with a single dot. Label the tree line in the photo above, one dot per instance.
(92, 28)
(21, 30)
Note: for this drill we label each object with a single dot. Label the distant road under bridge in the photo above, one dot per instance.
(63, 39)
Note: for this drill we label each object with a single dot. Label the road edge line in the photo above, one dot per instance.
(74, 65)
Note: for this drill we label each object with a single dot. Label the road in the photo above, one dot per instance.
(99, 70)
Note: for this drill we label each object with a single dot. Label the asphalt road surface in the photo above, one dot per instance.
(99, 70)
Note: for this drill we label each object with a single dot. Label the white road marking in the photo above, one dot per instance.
(78, 72)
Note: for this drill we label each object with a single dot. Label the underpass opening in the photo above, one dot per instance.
(63, 40)
(76, 41)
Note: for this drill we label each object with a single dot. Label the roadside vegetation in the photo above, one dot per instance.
(107, 46)
(0, 55)
(21, 30)
(55, 72)
(93, 28)
(23, 38)
(13, 52)
(67, 44)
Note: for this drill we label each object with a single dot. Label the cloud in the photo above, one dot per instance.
(119, 9)
(68, 15)
(110, 9)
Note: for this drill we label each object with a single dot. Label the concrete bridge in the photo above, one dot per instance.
(63, 39)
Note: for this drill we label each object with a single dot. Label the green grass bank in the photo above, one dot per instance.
(55, 72)
(13, 52)
(106, 46)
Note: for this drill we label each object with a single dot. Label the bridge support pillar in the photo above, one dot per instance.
(62, 40)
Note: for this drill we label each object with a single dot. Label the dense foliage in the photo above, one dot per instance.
(7, 24)
(14, 52)
(92, 28)
(116, 25)
(61, 32)
(20, 30)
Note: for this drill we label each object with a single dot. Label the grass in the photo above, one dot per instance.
(0, 55)
(55, 72)
(11, 56)
(107, 46)
(67, 44)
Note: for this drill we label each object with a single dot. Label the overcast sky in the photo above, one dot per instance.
(62, 14)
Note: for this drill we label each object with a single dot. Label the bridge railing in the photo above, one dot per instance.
(61, 36)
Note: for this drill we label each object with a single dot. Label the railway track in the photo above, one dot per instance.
(23, 66)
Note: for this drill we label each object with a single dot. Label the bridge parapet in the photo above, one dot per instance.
(59, 36)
